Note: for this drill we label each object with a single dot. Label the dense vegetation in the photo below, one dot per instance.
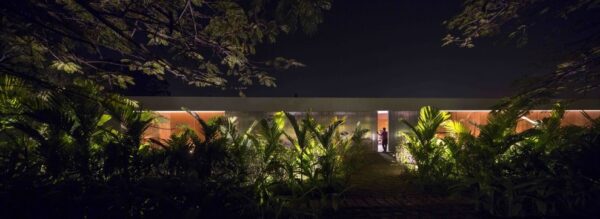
(77, 151)
(71, 146)
(201, 42)
(72, 153)
(549, 170)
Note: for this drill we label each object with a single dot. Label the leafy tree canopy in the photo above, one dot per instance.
(577, 75)
(203, 42)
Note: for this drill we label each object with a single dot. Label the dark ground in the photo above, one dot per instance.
(380, 190)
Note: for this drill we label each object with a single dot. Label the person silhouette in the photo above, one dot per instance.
(384, 139)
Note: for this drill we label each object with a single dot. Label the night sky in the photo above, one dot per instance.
(392, 48)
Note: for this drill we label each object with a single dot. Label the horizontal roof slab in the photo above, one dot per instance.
(169, 103)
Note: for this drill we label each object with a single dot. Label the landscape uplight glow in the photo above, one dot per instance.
(529, 120)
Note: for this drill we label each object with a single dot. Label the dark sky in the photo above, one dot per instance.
(392, 48)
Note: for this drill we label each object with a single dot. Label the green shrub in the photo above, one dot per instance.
(428, 151)
(549, 170)
(77, 152)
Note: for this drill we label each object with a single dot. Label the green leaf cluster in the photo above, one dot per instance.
(204, 43)
(548, 170)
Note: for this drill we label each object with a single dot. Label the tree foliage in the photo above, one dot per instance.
(203, 42)
(576, 75)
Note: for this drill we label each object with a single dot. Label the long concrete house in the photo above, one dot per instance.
(372, 113)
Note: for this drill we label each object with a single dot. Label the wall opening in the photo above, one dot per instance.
(169, 122)
(382, 122)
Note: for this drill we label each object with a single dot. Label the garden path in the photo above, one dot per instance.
(380, 190)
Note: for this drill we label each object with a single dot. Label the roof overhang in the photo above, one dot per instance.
(271, 104)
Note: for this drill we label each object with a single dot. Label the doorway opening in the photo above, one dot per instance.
(382, 122)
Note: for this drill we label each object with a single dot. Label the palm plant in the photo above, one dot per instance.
(301, 142)
(525, 174)
(427, 150)
(329, 144)
(301, 168)
(63, 138)
(479, 160)
(239, 147)
(270, 166)
(352, 152)
(77, 143)
(324, 158)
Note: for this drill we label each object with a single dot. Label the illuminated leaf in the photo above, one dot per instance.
(68, 67)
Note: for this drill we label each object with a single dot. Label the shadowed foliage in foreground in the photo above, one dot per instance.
(73, 153)
(548, 170)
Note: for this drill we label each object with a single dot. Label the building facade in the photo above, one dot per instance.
(373, 113)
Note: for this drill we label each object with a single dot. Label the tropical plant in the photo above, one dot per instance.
(75, 149)
(427, 149)
(542, 171)
(532, 173)
(313, 170)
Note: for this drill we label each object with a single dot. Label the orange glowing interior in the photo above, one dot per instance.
(571, 117)
(171, 121)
